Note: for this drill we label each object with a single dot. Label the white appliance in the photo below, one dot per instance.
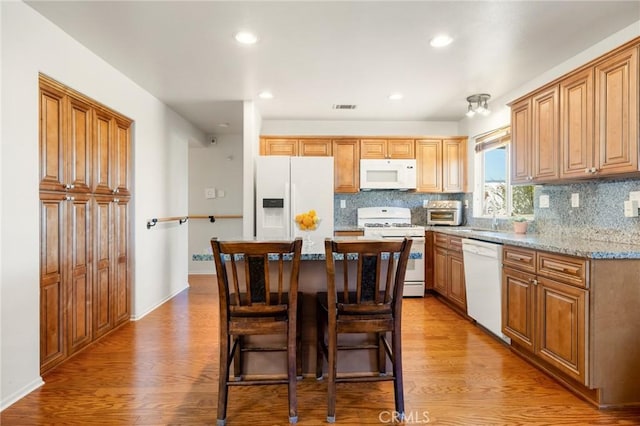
(483, 279)
(388, 174)
(395, 222)
(287, 186)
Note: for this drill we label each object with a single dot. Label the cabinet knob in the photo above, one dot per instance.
(116, 200)
(69, 186)
(534, 281)
(69, 198)
(116, 191)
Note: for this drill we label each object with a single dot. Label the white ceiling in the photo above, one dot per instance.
(312, 55)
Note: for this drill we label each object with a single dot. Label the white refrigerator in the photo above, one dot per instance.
(287, 186)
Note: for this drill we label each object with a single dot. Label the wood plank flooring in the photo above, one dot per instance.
(163, 370)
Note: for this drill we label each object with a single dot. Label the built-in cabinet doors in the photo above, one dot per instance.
(521, 142)
(544, 135)
(315, 148)
(65, 276)
(429, 164)
(576, 131)
(517, 307)
(103, 221)
(440, 270)
(121, 158)
(122, 288)
(616, 105)
(65, 144)
(383, 148)
(346, 157)
(279, 146)
(453, 160)
(561, 323)
(457, 290)
(103, 157)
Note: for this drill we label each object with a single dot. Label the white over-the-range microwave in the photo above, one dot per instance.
(387, 174)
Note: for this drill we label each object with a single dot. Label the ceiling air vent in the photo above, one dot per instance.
(343, 106)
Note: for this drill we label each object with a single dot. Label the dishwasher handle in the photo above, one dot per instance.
(479, 250)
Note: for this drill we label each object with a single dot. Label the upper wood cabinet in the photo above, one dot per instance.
(315, 147)
(65, 143)
(584, 125)
(616, 119)
(278, 146)
(387, 148)
(441, 165)
(346, 168)
(535, 132)
(576, 125)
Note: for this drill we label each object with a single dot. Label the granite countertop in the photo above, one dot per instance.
(565, 244)
(345, 228)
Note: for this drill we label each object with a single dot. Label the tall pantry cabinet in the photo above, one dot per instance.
(85, 167)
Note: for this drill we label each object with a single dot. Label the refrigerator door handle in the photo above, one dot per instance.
(288, 209)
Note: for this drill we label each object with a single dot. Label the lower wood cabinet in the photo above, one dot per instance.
(448, 270)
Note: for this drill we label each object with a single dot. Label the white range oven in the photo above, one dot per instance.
(395, 222)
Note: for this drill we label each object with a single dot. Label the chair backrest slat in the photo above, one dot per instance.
(377, 274)
(251, 286)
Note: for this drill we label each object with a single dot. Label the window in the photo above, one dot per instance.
(493, 194)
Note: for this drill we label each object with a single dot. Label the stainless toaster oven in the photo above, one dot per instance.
(444, 212)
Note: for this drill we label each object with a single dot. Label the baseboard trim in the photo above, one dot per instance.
(21, 393)
(162, 302)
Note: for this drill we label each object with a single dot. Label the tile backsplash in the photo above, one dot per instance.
(600, 215)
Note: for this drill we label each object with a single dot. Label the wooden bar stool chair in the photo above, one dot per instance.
(365, 296)
(258, 291)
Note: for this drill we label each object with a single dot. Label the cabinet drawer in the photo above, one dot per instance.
(519, 258)
(348, 233)
(455, 244)
(567, 269)
(441, 240)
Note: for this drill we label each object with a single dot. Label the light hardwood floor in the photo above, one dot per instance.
(163, 370)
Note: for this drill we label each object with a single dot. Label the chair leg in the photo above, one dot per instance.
(382, 355)
(292, 350)
(238, 364)
(299, 340)
(332, 352)
(320, 327)
(223, 388)
(398, 383)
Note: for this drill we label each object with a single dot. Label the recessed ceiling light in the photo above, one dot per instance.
(440, 40)
(265, 95)
(396, 96)
(246, 37)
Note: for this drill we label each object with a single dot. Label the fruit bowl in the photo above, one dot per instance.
(307, 222)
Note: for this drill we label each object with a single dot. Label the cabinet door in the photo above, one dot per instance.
(80, 283)
(453, 165)
(121, 275)
(401, 148)
(53, 288)
(429, 165)
(79, 142)
(52, 139)
(457, 292)
(440, 271)
(315, 147)
(545, 135)
(576, 125)
(517, 307)
(373, 148)
(346, 157)
(121, 158)
(102, 287)
(103, 140)
(279, 146)
(521, 142)
(561, 327)
(616, 117)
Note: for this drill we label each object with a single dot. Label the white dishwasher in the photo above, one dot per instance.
(483, 280)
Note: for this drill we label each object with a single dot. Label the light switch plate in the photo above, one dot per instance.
(544, 201)
(425, 203)
(635, 195)
(575, 200)
(343, 204)
(209, 193)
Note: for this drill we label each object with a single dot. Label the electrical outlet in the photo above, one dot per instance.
(221, 193)
(425, 203)
(466, 204)
(544, 201)
(575, 200)
(634, 195)
(343, 204)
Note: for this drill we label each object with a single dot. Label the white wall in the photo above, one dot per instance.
(252, 125)
(501, 113)
(31, 44)
(365, 128)
(219, 166)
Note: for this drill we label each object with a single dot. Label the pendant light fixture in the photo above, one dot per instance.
(478, 103)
